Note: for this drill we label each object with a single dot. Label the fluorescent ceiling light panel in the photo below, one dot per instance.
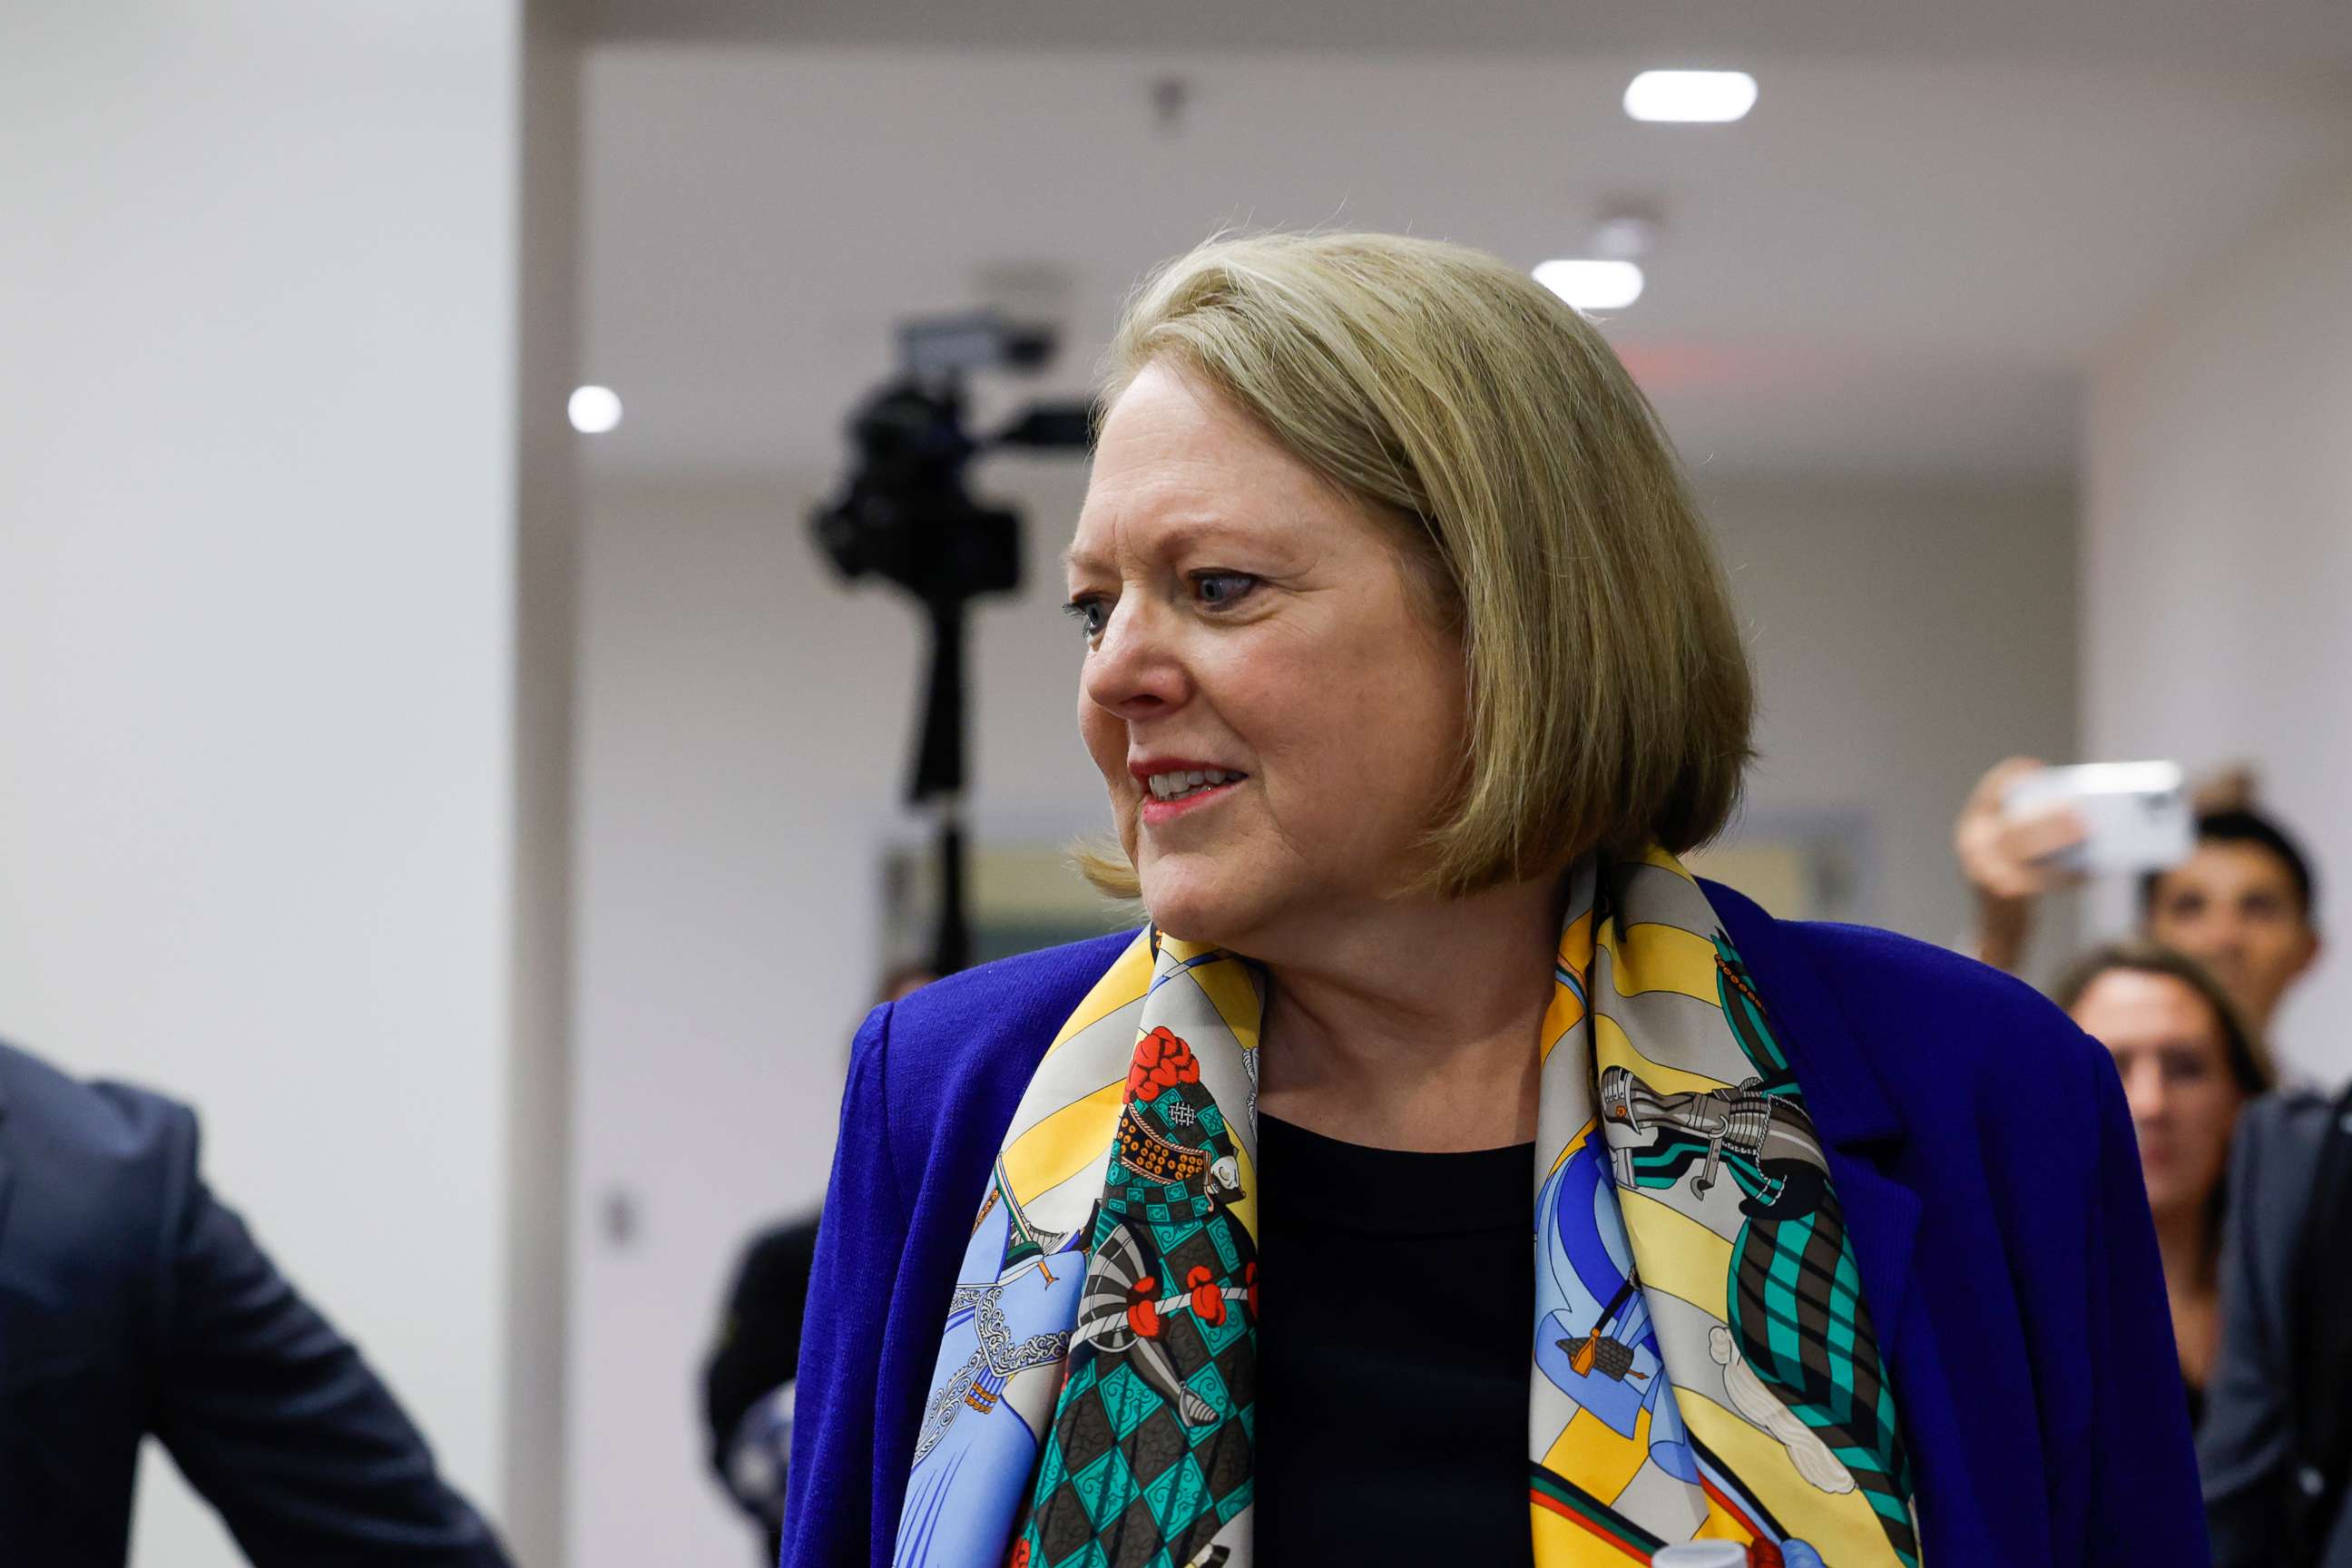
(1710, 98)
(1593, 284)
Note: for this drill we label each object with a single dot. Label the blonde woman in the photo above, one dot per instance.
(1598, 1211)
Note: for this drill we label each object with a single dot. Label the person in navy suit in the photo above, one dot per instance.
(133, 1304)
(1409, 670)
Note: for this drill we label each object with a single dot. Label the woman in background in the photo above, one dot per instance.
(2188, 1065)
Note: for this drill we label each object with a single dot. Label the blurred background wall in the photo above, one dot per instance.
(2217, 615)
(485, 825)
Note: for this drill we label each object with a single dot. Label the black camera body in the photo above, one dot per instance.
(905, 515)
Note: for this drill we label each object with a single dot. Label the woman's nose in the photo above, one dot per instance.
(1131, 671)
(2144, 1092)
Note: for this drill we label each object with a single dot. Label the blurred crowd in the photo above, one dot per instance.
(2250, 1183)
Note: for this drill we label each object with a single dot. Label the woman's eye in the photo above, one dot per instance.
(2185, 1066)
(1089, 612)
(1218, 589)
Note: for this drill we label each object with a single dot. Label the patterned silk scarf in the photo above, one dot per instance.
(1703, 1366)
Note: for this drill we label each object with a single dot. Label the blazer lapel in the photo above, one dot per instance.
(1849, 1106)
(1866, 1137)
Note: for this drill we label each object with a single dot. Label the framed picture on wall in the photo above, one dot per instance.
(1025, 892)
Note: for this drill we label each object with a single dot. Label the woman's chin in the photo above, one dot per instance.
(1184, 908)
(1181, 920)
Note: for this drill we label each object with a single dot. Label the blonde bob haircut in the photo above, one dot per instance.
(1527, 484)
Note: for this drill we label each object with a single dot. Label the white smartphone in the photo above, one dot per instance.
(2136, 814)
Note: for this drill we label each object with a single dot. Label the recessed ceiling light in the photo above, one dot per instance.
(1703, 97)
(594, 409)
(1627, 231)
(1593, 284)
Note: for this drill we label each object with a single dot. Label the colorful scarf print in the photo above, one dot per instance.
(1703, 1363)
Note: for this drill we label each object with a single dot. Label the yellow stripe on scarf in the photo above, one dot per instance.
(1129, 977)
(1074, 1139)
(1653, 957)
(1611, 1048)
(1680, 1257)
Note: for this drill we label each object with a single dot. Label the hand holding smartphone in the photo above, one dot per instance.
(2100, 817)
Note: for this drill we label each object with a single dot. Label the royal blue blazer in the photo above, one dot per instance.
(1978, 1141)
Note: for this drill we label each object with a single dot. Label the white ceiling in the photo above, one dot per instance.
(2299, 35)
(1897, 266)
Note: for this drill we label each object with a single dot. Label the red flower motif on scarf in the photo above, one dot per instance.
(1020, 1558)
(1208, 1302)
(1143, 1307)
(1249, 1282)
(1162, 1061)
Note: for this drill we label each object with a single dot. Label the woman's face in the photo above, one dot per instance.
(2175, 1064)
(1245, 621)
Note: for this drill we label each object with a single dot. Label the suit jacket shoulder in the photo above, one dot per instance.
(2274, 1162)
(93, 1178)
(2249, 1448)
(132, 1304)
(95, 1174)
(1880, 979)
(1968, 1067)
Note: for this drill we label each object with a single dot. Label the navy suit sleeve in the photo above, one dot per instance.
(829, 1511)
(273, 1416)
(2144, 1510)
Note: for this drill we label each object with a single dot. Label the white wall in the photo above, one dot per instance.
(744, 726)
(744, 729)
(1906, 637)
(2218, 552)
(256, 572)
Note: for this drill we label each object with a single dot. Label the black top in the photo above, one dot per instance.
(1393, 1347)
(747, 1383)
(134, 1303)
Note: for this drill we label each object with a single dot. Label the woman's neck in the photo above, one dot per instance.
(1417, 1027)
(2185, 1244)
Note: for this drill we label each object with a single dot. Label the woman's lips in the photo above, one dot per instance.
(1155, 811)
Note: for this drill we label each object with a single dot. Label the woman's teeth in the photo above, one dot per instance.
(1176, 786)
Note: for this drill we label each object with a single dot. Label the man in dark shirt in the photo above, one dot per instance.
(747, 1386)
(132, 1302)
(748, 1381)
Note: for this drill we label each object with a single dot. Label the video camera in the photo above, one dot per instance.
(906, 514)
(906, 517)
